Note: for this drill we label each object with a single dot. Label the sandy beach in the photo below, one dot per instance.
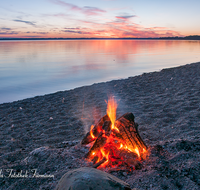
(42, 135)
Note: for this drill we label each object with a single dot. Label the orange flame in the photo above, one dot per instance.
(111, 111)
(137, 151)
(91, 133)
(104, 155)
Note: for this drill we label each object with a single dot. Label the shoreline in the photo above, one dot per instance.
(43, 133)
(90, 85)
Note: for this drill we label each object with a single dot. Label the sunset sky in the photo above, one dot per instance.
(100, 18)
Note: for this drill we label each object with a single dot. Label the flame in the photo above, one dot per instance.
(137, 151)
(91, 133)
(111, 112)
(104, 154)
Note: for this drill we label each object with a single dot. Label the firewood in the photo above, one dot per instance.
(95, 131)
(129, 132)
(99, 163)
(107, 128)
(127, 154)
(99, 143)
(95, 159)
(101, 139)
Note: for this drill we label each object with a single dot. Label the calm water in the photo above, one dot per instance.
(30, 68)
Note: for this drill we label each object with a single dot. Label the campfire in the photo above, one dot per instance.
(115, 143)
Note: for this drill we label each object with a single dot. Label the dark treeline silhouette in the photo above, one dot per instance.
(193, 37)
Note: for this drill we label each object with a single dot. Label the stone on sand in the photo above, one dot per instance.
(89, 178)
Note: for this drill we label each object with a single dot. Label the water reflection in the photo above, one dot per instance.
(30, 68)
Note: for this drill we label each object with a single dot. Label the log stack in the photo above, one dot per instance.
(111, 141)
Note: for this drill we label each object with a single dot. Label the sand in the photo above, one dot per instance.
(40, 136)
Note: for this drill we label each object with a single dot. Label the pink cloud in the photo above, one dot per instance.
(92, 10)
(128, 29)
(85, 10)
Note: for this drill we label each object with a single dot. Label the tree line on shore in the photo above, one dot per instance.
(191, 37)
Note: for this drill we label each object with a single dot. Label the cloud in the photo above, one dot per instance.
(141, 32)
(8, 33)
(32, 36)
(120, 28)
(77, 28)
(56, 15)
(27, 22)
(85, 10)
(69, 5)
(28, 32)
(76, 32)
(125, 17)
(3, 28)
(158, 28)
(39, 32)
(92, 10)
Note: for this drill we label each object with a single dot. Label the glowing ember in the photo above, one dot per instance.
(137, 151)
(116, 142)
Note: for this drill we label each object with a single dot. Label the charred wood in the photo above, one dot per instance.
(129, 131)
(99, 163)
(99, 143)
(95, 131)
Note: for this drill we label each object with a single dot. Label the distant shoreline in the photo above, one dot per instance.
(196, 37)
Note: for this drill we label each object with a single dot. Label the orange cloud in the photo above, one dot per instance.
(121, 29)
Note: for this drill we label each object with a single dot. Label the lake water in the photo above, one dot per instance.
(30, 68)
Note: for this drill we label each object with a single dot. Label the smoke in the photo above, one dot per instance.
(91, 113)
(91, 103)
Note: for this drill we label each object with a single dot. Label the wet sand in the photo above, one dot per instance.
(42, 134)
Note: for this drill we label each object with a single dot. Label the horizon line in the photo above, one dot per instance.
(191, 37)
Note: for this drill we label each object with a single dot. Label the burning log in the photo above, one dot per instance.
(100, 141)
(128, 129)
(94, 133)
(99, 163)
